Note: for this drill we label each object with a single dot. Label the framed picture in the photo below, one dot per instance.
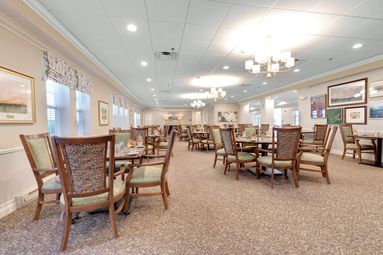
(334, 116)
(103, 113)
(355, 115)
(17, 97)
(376, 110)
(348, 93)
(227, 116)
(318, 107)
(376, 89)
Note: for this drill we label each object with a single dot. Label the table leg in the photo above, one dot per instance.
(379, 153)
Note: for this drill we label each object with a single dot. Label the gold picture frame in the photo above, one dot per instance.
(17, 97)
(103, 113)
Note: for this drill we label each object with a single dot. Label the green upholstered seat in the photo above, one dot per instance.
(150, 147)
(312, 158)
(207, 141)
(347, 132)
(250, 131)
(118, 189)
(146, 174)
(163, 144)
(51, 184)
(195, 140)
(40, 153)
(221, 152)
(122, 137)
(242, 156)
(266, 160)
(362, 146)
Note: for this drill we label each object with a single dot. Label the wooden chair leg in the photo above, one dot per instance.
(238, 170)
(360, 156)
(344, 153)
(58, 195)
(353, 154)
(272, 178)
(167, 188)
(215, 160)
(66, 230)
(226, 165)
(294, 174)
(164, 196)
(126, 199)
(326, 175)
(39, 205)
(112, 217)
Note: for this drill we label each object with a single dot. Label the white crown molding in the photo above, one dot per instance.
(45, 14)
(11, 150)
(341, 72)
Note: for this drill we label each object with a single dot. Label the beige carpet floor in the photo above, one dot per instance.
(214, 214)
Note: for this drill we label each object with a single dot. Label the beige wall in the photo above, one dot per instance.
(25, 56)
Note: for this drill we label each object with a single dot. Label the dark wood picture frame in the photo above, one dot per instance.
(363, 119)
(101, 106)
(347, 87)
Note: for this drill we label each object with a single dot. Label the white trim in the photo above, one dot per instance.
(11, 150)
(7, 208)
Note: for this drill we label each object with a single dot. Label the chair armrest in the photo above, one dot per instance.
(121, 172)
(154, 156)
(147, 164)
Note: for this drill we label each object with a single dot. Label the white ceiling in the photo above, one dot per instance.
(199, 31)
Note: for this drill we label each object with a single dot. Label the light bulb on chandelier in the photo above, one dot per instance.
(197, 104)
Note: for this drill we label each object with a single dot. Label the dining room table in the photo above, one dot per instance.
(378, 137)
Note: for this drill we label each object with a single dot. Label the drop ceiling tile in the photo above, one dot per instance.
(370, 8)
(193, 48)
(207, 13)
(120, 25)
(241, 16)
(74, 6)
(166, 35)
(198, 33)
(167, 10)
(132, 9)
(267, 3)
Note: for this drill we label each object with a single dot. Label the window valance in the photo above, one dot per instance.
(58, 70)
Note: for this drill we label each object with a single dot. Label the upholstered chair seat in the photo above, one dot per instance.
(242, 156)
(221, 152)
(147, 174)
(52, 185)
(312, 157)
(267, 160)
(354, 146)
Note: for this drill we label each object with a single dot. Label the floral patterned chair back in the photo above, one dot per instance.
(287, 143)
(320, 131)
(228, 141)
(83, 165)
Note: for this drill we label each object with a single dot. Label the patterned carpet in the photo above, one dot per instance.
(214, 214)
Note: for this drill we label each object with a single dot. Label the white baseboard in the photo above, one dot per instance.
(7, 208)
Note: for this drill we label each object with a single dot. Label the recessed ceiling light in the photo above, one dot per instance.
(144, 63)
(295, 91)
(231, 96)
(296, 70)
(245, 91)
(201, 90)
(148, 80)
(225, 99)
(152, 89)
(131, 28)
(155, 99)
(357, 46)
(154, 95)
(225, 67)
(264, 83)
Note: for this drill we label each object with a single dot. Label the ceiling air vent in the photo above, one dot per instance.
(165, 55)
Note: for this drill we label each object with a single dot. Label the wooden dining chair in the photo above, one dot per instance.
(239, 158)
(319, 135)
(148, 143)
(264, 129)
(86, 187)
(350, 143)
(219, 151)
(145, 175)
(193, 141)
(317, 157)
(209, 139)
(121, 138)
(42, 159)
(284, 149)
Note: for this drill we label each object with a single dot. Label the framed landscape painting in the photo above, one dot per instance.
(376, 110)
(17, 97)
(103, 113)
(355, 115)
(348, 93)
(318, 107)
(227, 117)
(376, 89)
(334, 116)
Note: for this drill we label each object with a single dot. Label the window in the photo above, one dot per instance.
(115, 115)
(126, 122)
(255, 118)
(278, 117)
(137, 119)
(57, 108)
(121, 113)
(295, 118)
(82, 113)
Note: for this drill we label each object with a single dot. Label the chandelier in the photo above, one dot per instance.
(215, 94)
(197, 104)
